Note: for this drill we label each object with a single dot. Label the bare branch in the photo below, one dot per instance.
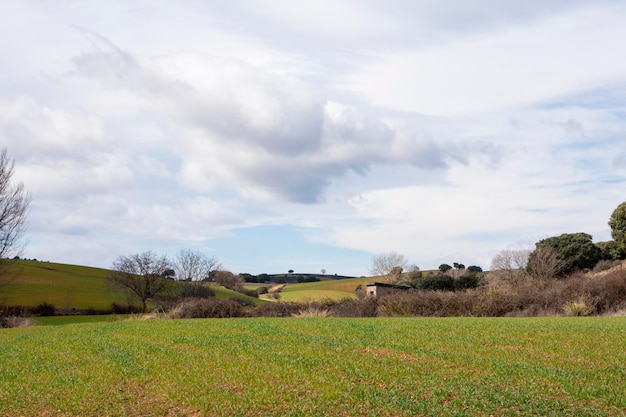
(14, 202)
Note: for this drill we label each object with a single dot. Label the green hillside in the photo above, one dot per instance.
(71, 286)
(333, 289)
(65, 286)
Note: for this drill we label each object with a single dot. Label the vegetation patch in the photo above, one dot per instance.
(317, 366)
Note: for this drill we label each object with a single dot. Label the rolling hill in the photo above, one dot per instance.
(70, 287)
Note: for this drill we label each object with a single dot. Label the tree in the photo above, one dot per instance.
(14, 202)
(444, 268)
(577, 251)
(141, 275)
(194, 265)
(544, 263)
(510, 264)
(611, 250)
(474, 269)
(229, 280)
(385, 263)
(617, 223)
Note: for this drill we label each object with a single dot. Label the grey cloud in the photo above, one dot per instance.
(294, 141)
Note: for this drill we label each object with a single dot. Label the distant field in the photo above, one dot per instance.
(334, 289)
(317, 367)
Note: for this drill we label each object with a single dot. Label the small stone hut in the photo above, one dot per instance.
(377, 289)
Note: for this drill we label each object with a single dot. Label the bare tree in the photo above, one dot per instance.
(194, 265)
(545, 262)
(140, 274)
(510, 264)
(14, 202)
(229, 280)
(388, 262)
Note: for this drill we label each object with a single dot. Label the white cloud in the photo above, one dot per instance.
(147, 125)
(575, 51)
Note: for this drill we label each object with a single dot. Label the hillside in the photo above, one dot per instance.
(70, 286)
(333, 289)
(65, 286)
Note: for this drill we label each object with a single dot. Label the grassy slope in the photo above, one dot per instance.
(70, 286)
(63, 285)
(334, 289)
(322, 367)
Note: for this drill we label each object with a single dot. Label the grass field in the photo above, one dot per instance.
(71, 286)
(315, 291)
(317, 367)
(65, 286)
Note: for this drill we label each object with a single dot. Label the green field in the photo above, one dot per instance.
(65, 286)
(317, 367)
(71, 286)
(315, 291)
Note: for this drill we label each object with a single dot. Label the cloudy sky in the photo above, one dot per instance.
(313, 135)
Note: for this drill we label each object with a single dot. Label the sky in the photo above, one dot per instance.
(310, 135)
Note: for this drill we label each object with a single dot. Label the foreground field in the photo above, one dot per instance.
(323, 367)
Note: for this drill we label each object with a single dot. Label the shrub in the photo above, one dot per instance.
(9, 322)
(605, 264)
(583, 306)
(195, 290)
(467, 281)
(277, 309)
(210, 308)
(348, 307)
(438, 283)
(312, 311)
(124, 309)
(43, 309)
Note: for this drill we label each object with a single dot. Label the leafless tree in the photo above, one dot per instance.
(194, 265)
(229, 280)
(510, 264)
(545, 262)
(387, 263)
(14, 202)
(140, 274)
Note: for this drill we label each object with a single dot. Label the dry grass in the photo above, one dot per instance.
(312, 311)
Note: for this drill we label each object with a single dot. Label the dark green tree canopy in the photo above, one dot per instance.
(576, 249)
(617, 222)
(611, 250)
(444, 268)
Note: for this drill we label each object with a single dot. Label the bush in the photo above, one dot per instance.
(44, 309)
(348, 307)
(210, 308)
(278, 309)
(312, 311)
(605, 265)
(438, 283)
(9, 322)
(124, 309)
(194, 290)
(583, 306)
(467, 281)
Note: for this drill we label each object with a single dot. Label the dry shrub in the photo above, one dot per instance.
(583, 306)
(348, 307)
(145, 317)
(277, 309)
(312, 311)
(9, 322)
(210, 308)
(428, 304)
(604, 265)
